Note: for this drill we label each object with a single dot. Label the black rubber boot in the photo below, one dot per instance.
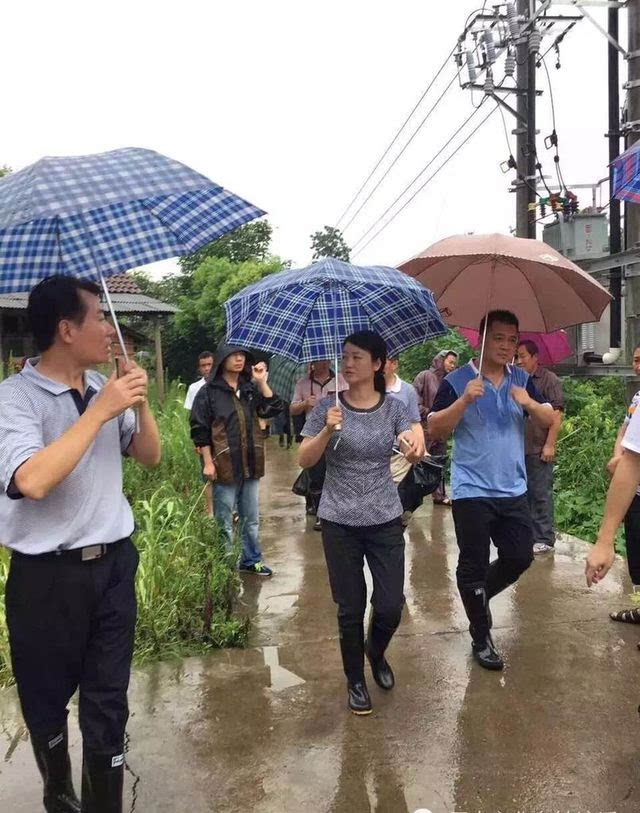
(102, 782)
(358, 698)
(52, 757)
(377, 641)
(475, 602)
(352, 649)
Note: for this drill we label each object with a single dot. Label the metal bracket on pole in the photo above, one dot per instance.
(630, 127)
(634, 83)
(579, 4)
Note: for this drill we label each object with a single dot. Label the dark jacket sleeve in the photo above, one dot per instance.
(201, 418)
(267, 407)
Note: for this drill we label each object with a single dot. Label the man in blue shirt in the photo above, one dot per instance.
(486, 415)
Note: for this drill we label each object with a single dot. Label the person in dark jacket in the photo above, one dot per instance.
(225, 428)
(426, 384)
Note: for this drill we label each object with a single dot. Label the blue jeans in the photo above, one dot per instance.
(245, 494)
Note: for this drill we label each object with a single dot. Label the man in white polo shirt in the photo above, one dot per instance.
(622, 490)
(70, 597)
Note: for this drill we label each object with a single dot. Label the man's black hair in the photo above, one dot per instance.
(505, 317)
(530, 346)
(206, 354)
(54, 299)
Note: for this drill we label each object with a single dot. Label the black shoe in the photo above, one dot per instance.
(382, 672)
(102, 782)
(359, 701)
(258, 569)
(317, 525)
(281, 442)
(52, 757)
(487, 655)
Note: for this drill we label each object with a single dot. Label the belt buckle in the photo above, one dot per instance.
(92, 552)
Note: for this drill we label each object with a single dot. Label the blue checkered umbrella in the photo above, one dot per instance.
(306, 314)
(92, 216)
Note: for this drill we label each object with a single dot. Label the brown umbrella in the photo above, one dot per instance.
(471, 274)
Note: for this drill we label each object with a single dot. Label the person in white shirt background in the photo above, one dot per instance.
(205, 363)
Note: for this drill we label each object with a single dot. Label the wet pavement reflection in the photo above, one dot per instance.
(266, 728)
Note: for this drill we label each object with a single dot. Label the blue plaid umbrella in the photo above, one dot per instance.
(626, 175)
(93, 216)
(305, 315)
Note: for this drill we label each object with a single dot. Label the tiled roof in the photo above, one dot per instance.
(122, 284)
(122, 303)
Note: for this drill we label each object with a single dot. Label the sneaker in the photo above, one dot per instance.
(542, 547)
(258, 569)
(317, 525)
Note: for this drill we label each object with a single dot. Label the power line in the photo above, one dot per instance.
(397, 135)
(416, 178)
(429, 179)
(402, 151)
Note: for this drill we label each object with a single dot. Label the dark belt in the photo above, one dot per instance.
(87, 554)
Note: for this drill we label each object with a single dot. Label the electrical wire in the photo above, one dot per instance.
(429, 179)
(397, 135)
(556, 159)
(415, 179)
(401, 153)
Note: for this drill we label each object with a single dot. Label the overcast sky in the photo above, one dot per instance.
(288, 104)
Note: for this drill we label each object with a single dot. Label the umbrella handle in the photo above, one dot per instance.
(116, 325)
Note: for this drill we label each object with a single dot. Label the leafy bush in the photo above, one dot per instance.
(595, 408)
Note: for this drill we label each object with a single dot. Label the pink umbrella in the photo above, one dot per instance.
(554, 347)
(472, 274)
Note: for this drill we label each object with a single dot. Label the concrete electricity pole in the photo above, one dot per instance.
(526, 135)
(632, 210)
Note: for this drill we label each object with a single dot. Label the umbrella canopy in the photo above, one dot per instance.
(97, 215)
(554, 347)
(284, 375)
(626, 175)
(306, 314)
(471, 274)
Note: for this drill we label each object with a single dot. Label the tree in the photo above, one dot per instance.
(330, 243)
(4, 170)
(248, 242)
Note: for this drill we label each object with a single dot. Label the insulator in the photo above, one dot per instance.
(471, 65)
(458, 56)
(510, 65)
(490, 47)
(535, 41)
(512, 19)
(489, 86)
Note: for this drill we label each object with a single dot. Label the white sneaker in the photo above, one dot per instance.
(542, 547)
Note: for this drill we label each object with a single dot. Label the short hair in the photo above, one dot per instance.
(54, 299)
(206, 354)
(505, 317)
(530, 346)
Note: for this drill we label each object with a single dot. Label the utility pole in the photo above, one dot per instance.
(615, 231)
(632, 210)
(526, 135)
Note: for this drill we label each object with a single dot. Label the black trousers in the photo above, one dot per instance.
(345, 549)
(505, 521)
(632, 539)
(71, 625)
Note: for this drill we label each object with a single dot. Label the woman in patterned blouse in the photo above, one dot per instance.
(360, 509)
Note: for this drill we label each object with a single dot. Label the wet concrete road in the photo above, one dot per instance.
(266, 729)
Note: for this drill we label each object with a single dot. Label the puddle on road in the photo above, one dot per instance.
(281, 678)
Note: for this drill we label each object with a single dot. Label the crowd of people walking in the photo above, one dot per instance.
(70, 594)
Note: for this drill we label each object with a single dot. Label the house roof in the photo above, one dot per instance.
(122, 284)
(133, 303)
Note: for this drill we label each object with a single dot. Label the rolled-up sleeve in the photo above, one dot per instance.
(20, 438)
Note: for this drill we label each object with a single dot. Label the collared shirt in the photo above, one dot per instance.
(193, 390)
(405, 392)
(488, 442)
(88, 506)
(634, 438)
(550, 388)
(306, 387)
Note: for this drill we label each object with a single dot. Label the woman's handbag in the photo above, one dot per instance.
(302, 485)
(422, 479)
